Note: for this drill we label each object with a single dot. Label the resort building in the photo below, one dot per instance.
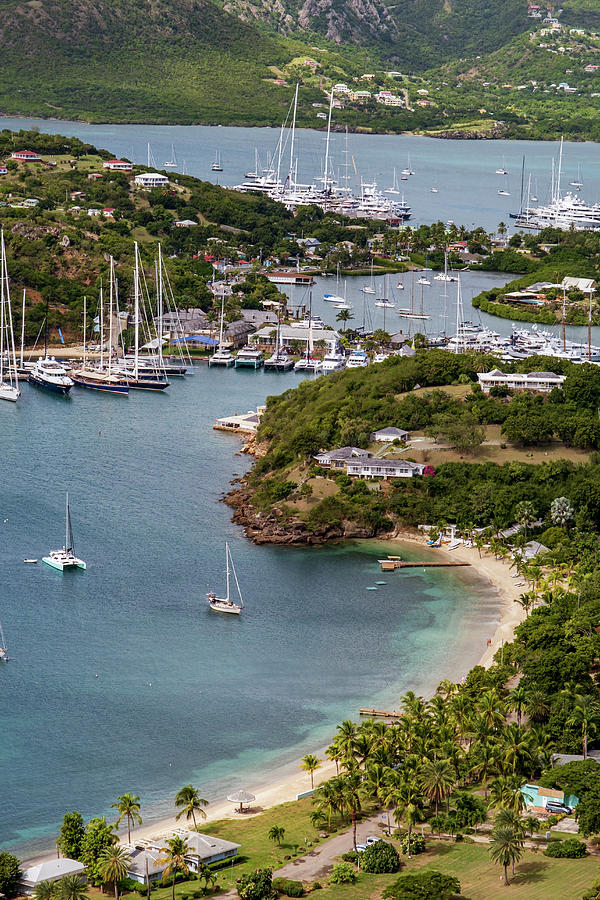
(144, 865)
(26, 156)
(117, 165)
(386, 435)
(203, 850)
(151, 180)
(51, 870)
(541, 382)
(533, 549)
(206, 849)
(337, 459)
(300, 335)
(383, 468)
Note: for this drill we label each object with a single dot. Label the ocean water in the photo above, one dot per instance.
(121, 679)
(463, 171)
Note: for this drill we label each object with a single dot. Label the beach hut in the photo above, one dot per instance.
(241, 797)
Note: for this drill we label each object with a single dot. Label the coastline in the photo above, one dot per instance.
(285, 789)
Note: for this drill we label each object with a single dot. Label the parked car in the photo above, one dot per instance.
(360, 848)
(372, 839)
(554, 808)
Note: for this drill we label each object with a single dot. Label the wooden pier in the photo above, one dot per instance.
(380, 713)
(388, 565)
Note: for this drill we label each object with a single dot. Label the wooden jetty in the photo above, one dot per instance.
(380, 713)
(388, 565)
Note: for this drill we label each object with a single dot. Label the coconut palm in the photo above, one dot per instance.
(310, 764)
(506, 847)
(344, 316)
(276, 834)
(408, 800)
(517, 700)
(526, 601)
(525, 514)
(516, 746)
(335, 753)
(206, 874)
(437, 780)
(189, 802)
(491, 709)
(113, 865)
(46, 890)
(345, 738)
(486, 764)
(505, 793)
(586, 717)
(175, 858)
(507, 818)
(73, 887)
(326, 800)
(351, 792)
(128, 806)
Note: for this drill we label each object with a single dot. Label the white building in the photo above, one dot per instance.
(117, 165)
(383, 468)
(266, 337)
(151, 180)
(517, 381)
(388, 434)
(337, 459)
(26, 156)
(51, 870)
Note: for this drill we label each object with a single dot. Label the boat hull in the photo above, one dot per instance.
(103, 386)
(61, 566)
(228, 609)
(8, 392)
(49, 386)
(249, 364)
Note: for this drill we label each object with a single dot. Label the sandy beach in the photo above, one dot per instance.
(286, 789)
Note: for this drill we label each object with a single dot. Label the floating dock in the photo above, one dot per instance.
(380, 713)
(388, 565)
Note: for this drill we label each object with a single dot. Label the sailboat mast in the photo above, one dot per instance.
(67, 523)
(590, 329)
(326, 172)
(101, 327)
(3, 253)
(136, 291)
(84, 329)
(46, 332)
(291, 175)
(160, 305)
(227, 567)
(23, 328)
(110, 314)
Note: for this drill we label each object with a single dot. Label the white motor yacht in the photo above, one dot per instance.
(358, 359)
(50, 375)
(222, 357)
(309, 364)
(249, 357)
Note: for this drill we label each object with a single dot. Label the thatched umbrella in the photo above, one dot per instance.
(241, 797)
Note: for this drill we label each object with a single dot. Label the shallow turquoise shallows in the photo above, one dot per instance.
(121, 678)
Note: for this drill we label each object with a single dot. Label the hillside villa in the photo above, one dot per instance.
(541, 382)
(362, 464)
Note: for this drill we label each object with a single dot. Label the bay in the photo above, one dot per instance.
(121, 678)
(463, 171)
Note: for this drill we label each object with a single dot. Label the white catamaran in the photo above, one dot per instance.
(3, 647)
(226, 604)
(65, 558)
(9, 380)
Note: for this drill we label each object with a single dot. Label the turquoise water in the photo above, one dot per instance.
(121, 678)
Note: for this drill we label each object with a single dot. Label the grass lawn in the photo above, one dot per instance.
(537, 877)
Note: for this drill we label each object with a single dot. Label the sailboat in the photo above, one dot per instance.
(502, 170)
(384, 302)
(280, 361)
(65, 558)
(335, 298)
(309, 363)
(577, 183)
(423, 278)
(137, 377)
(370, 288)
(171, 163)
(408, 170)
(96, 379)
(503, 192)
(3, 647)
(222, 355)
(342, 302)
(49, 374)
(9, 380)
(226, 604)
(443, 276)
(410, 313)
(394, 188)
(216, 166)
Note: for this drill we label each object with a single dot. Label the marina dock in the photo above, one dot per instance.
(380, 713)
(389, 565)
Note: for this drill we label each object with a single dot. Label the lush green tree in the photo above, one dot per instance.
(174, 855)
(561, 511)
(10, 873)
(310, 763)
(276, 834)
(437, 779)
(113, 865)
(73, 887)
(506, 847)
(257, 885)
(379, 858)
(189, 803)
(128, 806)
(586, 717)
(71, 834)
(343, 873)
(98, 837)
(345, 316)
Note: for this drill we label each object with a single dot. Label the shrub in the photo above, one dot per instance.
(570, 848)
(10, 873)
(289, 887)
(379, 858)
(343, 873)
(351, 856)
(316, 886)
(417, 844)
(257, 885)
(423, 886)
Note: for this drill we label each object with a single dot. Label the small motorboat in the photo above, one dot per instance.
(30, 560)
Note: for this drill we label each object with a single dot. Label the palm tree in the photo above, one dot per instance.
(351, 792)
(517, 700)
(326, 800)
(335, 753)
(113, 865)
(276, 834)
(505, 793)
(175, 857)
(586, 716)
(73, 887)
(206, 874)
(537, 706)
(345, 738)
(485, 763)
(506, 847)
(525, 513)
(189, 802)
(46, 890)
(344, 316)
(310, 764)
(408, 800)
(128, 806)
(526, 601)
(516, 744)
(437, 780)
(561, 512)
(507, 818)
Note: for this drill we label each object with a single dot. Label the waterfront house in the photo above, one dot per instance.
(206, 849)
(26, 156)
(51, 870)
(337, 459)
(146, 860)
(584, 285)
(533, 549)
(388, 434)
(540, 382)
(383, 468)
(117, 165)
(151, 180)
(244, 423)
